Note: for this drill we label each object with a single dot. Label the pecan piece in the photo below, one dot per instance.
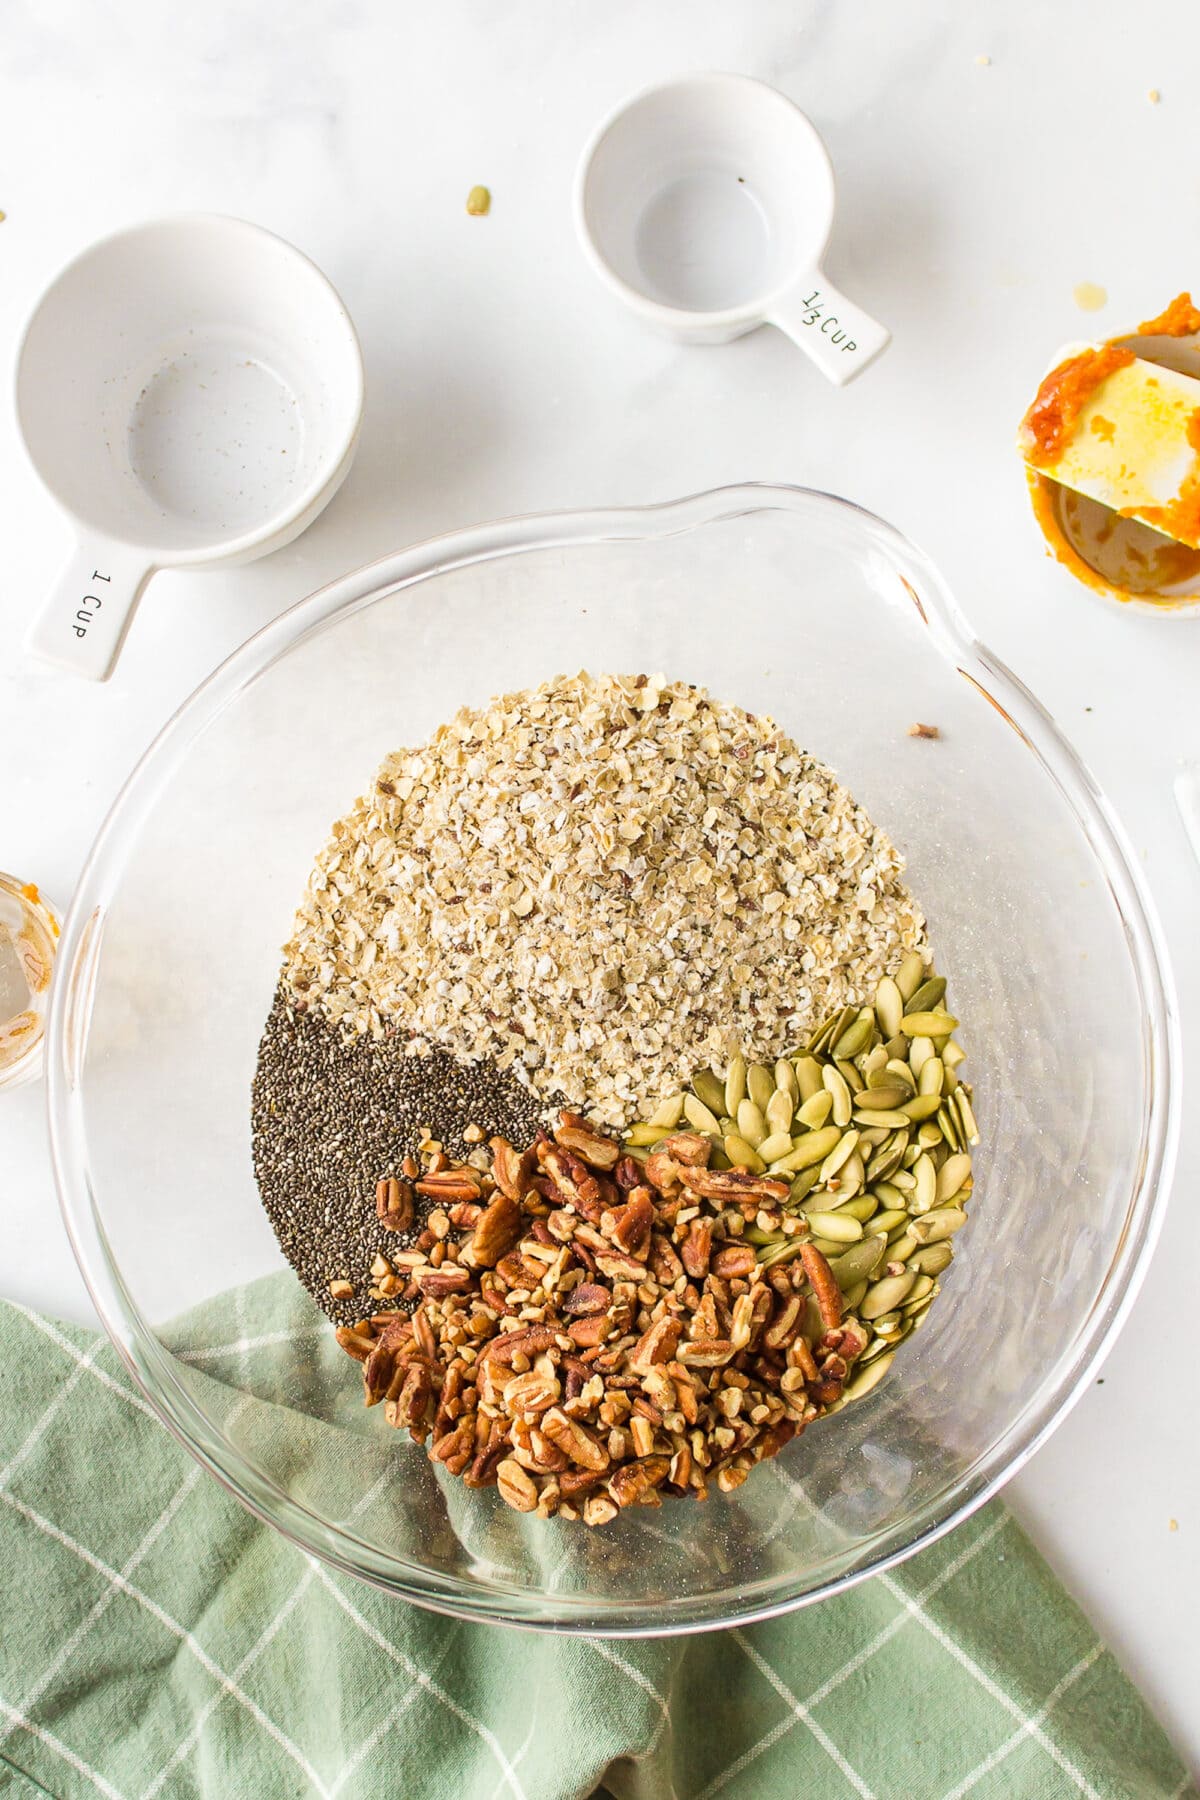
(696, 1249)
(411, 1406)
(733, 1186)
(457, 1448)
(632, 1222)
(573, 1483)
(449, 1186)
(662, 1171)
(355, 1342)
(618, 1266)
(574, 1182)
(628, 1173)
(531, 1392)
(658, 1345)
(574, 1440)
(824, 1286)
(665, 1265)
(633, 1479)
(512, 1170)
(587, 1332)
(449, 1279)
(517, 1489)
(394, 1203)
(709, 1353)
(785, 1323)
(688, 1147)
(575, 1134)
(734, 1260)
(586, 1299)
(530, 1342)
(496, 1231)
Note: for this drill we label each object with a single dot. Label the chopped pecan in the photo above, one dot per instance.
(575, 1134)
(632, 1222)
(733, 1185)
(449, 1279)
(628, 1173)
(496, 1231)
(733, 1261)
(450, 1186)
(516, 1488)
(530, 1342)
(512, 1170)
(355, 1342)
(619, 1266)
(457, 1448)
(411, 1406)
(463, 1214)
(785, 1323)
(658, 1345)
(394, 1204)
(531, 1392)
(587, 1332)
(586, 1299)
(664, 1264)
(709, 1353)
(574, 1440)
(801, 1357)
(695, 1251)
(824, 1286)
(632, 1479)
(662, 1171)
(688, 1147)
(575, 1482)
(574, 1182)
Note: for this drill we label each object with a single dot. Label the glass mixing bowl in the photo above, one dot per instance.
(785, 601)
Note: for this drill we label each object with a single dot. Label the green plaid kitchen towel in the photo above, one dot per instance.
(157, 1641)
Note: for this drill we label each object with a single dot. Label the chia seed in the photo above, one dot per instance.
(330, 1114)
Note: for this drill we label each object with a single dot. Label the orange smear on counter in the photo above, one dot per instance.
(1181, 319)
(1063, 395)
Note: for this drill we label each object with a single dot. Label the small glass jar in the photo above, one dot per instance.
(29, 930)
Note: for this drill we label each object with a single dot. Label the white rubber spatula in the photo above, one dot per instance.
(1122, 431)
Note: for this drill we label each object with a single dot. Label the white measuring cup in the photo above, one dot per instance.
(706, 205)
(190, 392)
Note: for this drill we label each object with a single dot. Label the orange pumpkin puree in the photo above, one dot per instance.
(1063, 395)
(1181, 319)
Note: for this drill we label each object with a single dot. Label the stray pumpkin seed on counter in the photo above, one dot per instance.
(872, 1126)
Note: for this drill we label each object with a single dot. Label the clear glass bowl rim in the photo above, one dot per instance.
(136, 1343)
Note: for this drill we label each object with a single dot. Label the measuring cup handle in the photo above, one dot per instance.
(82, 623)
(839, 336)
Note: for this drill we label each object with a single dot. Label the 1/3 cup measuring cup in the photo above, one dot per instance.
(706, 205)
(190, 391)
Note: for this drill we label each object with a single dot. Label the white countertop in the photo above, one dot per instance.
(989, 158)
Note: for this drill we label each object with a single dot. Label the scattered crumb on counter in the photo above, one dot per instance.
(983, 62)
(924, 731)
(1173, 1525)
(479, 202)
(1089, 296)
(1154, 96)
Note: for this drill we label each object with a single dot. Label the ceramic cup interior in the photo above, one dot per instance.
(786, 602)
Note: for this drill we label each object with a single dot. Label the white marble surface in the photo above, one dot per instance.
(974, 196)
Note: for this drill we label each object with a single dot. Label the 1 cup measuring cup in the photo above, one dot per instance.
(190, 392)
(706, 205)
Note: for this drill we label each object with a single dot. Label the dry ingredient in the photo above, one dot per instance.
(328, 1113)
(29, 931)
(621, 1321)
(479, 202)
(598, 884)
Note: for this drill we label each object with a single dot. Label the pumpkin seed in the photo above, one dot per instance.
(779, 1111)
(850, 1075)
(835, 1226)
(870, 1377)
(829, 1247)
(929, 1080)
(887, 1158)
(928, 1024)
(853, 1295)
(901, 1244)
(966, 1113)
(639, 1152)
(914, 1315)
(927, 995)
(775, 1145)
(643, 1135)
(719, 1160)
(889, 1006)
(735, 1085)
(928, 1136)
(743, 1155)
(874, 1115)
(699, 1116)
(810, 1150)
(871, 1352)
(801, 1184)
(814, 1112)
(900, 1069)
(948, 1125)
(785, 1079)
(669, 1113)
(919, 1053)
(953, 1055)
(855, 1040)
(835, 1084)
(860, 1261)
(910, 975)
(941, 1223)
(921, 1289)
(751, 1126)
(951, 1175)
(709, 1089)
(850, 1178)
(875, 1060)
(808, 1077)
(787, 1251)
(858, 1206)
(904, 1180)
(760, 1085)
(841, 1153)
(893, 1218)
(884, 1296)
(925, 1192)
(932, 1258)
(888, 1328)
